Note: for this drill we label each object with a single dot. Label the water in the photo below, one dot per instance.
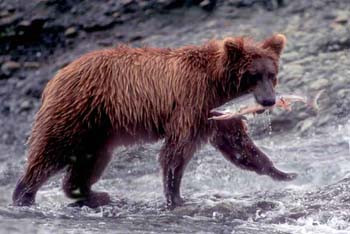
(347, 132)
(267, 122)
(220, 198)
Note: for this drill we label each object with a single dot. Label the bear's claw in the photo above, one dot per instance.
(282, 176)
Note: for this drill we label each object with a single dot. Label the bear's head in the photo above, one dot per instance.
(254, 67)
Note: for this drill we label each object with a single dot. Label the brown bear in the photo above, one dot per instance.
(126, 95)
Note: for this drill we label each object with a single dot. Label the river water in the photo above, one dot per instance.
(220, 198)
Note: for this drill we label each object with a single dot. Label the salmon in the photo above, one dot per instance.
(247, 105)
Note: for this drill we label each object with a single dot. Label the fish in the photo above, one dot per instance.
(248, 105)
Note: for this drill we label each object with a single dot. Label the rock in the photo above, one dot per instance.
(126, 2)
(24, 23)
(295, 70)
(26, 105)
(119, 35)
(4, 13)
(323, 120)
(9, 67)
(102, 24)
(129, 6)
(31, 65)
(319, 84)
(343, 93)
(292, 73)
(342, 17)
(71, 32)
(9, 20)
(208, 5)
(32, 91)
(116, 15)
(8, 138)
(106, 42)
(302, 114)
(305, 125)
(290, 56)
(173, 4)
(135, 38)
(5, 110)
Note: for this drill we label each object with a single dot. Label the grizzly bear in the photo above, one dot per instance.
(124, 95)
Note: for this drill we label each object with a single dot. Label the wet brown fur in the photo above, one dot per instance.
(126, 95)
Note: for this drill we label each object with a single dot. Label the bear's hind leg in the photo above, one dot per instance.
(83, 171)
(37, 173)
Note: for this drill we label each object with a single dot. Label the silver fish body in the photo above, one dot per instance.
(247, 105)
(237, 104)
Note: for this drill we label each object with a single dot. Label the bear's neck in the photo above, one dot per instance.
(225, 87)
(224, 77)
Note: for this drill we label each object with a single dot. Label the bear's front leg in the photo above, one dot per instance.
(231, 138)
(173, 159)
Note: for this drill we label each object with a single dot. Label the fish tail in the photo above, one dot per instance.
(312, 102)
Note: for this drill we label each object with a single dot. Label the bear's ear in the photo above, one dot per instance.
(275, 43)
(233, 49)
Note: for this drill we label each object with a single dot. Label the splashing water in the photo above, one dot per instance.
(269, 125)
(219, 198)
(260, 123)
(266, 121)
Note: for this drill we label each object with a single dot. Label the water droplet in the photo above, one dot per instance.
(266, 121)
(269, 125)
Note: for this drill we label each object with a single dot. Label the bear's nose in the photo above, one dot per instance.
(268, 102)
